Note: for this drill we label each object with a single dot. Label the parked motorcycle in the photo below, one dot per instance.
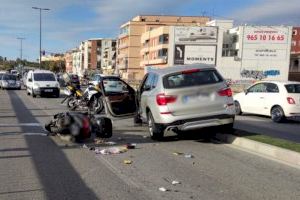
(90, 99)
(80, 125)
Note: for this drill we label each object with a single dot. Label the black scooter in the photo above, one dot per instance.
(80, 125)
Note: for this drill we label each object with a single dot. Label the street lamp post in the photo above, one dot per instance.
(21, 52)
(21, 43)
(40, 9)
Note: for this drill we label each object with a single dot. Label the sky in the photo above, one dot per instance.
(68, 22)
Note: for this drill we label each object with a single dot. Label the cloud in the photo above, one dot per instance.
(270, 12)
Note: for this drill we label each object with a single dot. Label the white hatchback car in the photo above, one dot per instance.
(277, 99)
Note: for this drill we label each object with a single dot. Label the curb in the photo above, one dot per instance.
(276, 153)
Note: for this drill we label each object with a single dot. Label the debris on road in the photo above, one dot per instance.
(92, 149)
(162, 189)
(110, 143)
(84, 146)
(145, 136)
(112, 150)
(188, 156)
(120, 138)
(177, 153)
(99, 141)
(131, 146)
(175, 182)
(127, 162)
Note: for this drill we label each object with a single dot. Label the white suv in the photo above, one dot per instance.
(182, 98)
(42, 82)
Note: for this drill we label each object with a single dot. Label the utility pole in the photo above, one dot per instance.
(21, 49)
(40, 9)
(21, 53)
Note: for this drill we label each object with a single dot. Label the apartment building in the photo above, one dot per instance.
(179, 45)
(96, 54)
(129, 41)
(69, 60)
(108, 56)
(53, 57)
(295, 55)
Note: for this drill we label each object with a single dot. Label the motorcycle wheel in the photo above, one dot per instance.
(71, 102)
(96, 105)
(103, 127)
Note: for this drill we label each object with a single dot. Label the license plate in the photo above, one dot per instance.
(197, 97)
(48, 90)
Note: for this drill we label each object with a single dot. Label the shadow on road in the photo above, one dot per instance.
(58, 177)
(286, 121)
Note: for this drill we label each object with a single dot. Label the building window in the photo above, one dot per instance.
(295, 32)
(235, 39)
(164, 39)
(124, 30)
(296, 63)
(143, 19)
(162, 53)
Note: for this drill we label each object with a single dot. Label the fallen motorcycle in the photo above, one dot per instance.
(79, 125)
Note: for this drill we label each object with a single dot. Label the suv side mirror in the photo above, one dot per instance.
(246, 91)
(30, 79)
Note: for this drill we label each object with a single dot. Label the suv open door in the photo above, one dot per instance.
(119, 98)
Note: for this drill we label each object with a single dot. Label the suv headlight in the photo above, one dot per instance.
(57, 85)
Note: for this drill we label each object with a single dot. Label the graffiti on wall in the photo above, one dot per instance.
(259, 75)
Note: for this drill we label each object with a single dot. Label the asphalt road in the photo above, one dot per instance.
(289, 130)
(35, 166)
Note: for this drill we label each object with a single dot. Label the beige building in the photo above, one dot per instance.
(155, 47)
(129, 41)
(53, 57)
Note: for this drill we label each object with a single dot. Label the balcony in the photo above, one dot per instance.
(157, 61)
(122, 46)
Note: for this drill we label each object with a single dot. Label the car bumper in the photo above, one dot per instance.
(196, 123)
(46, 91)
(292, 112)
(11, 86)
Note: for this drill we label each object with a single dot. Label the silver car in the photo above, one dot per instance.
(183, 98)
(10, 81)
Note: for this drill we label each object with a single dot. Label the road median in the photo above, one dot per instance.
(284, 151)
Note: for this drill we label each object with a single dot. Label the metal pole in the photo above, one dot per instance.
(21, 52)
(40, 54)
(40, 38)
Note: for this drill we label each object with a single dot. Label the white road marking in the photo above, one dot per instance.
(39, 134)
(21, 124)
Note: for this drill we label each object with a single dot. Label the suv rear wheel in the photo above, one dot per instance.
(156, 131)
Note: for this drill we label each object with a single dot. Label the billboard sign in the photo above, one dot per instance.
(192, 54)
(265, 43)
(195, 34)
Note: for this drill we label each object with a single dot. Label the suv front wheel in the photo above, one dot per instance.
(156, 131)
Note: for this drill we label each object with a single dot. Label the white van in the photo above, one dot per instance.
(42, 82)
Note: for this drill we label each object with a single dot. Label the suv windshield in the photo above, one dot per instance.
(293, 88)
(191, 78)
(9, 77)
(43, 77)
